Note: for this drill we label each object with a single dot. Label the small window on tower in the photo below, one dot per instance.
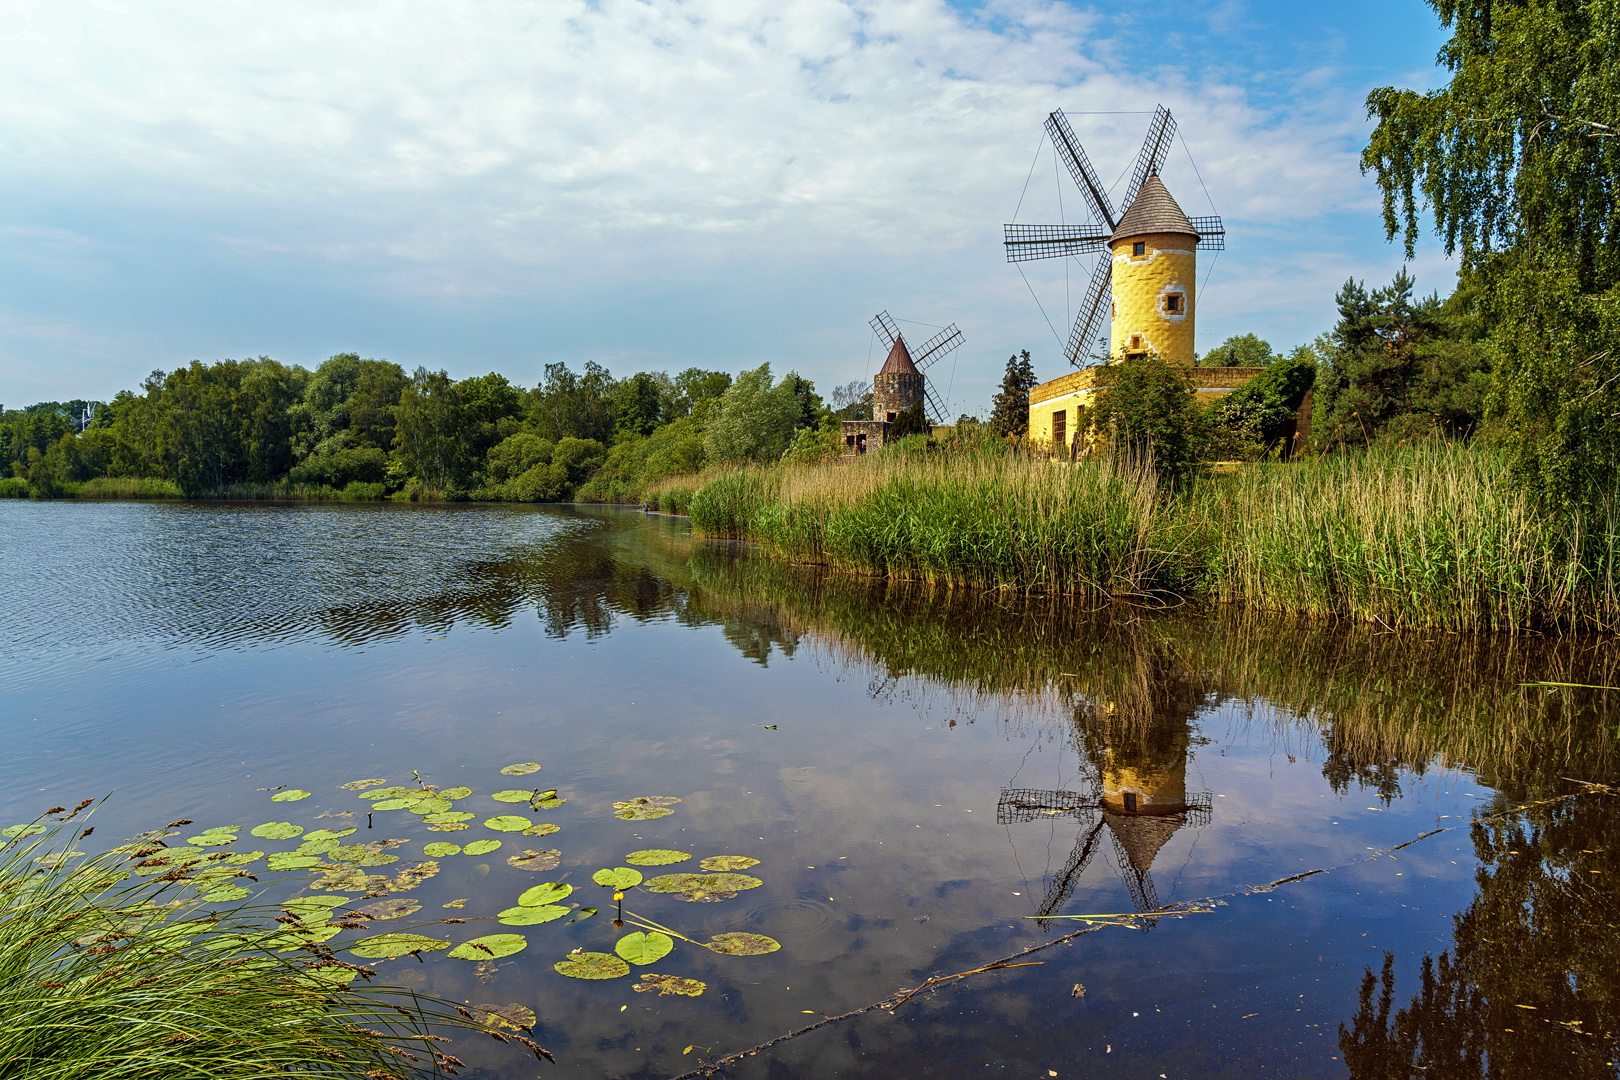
(1139, 248)
(1172, 303)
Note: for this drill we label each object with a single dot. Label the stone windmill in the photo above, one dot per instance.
(900, 384)
(1144, 282)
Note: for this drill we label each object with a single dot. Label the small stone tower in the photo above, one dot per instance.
(898, 386)
(1154, 272)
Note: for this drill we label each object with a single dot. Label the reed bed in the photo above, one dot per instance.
(1436, 536)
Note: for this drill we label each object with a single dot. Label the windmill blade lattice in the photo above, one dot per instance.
(885, 328)
(1155, 148)
(1093, 315)
(1028, 242)
(1085, 177)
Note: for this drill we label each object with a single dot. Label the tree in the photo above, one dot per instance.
(853, 400)
(638, 407)
(1242, 350)
(1149, 411)
(1261, 411)
(910, 421)
(752, 421)
(805, 399)
(1516, 159)
(1009, 413)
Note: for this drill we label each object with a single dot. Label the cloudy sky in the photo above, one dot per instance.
(500, 184)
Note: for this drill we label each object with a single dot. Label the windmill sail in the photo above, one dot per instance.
(1027, 242)
(885, 328)
(1150, 159)
(1094, 308)
(1074, 157)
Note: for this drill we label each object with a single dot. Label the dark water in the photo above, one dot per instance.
(918, 774)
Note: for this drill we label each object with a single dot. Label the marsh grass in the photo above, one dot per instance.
(110, 977)
(1435, 536)
(125, 487)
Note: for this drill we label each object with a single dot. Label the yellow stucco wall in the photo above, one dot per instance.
(1077, 390)
(1141, 283)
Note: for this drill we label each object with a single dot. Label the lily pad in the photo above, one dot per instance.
(317, 847)
(449, 826)
(592, 965)
(361, 855)
(291, 860)
(329, 834)
(350, 879)
(395, 792)
(338, 975)
(522, 768)
(292, 795)
(645, 807)
(697, 886)
(412, 876)
(532, 916)
(508, 823)
(670, 984)
(440, 849)
(212, 838)
(541, 895)
(361, 785)
(446, 818)
(511, 795)
(277, 830)
(432, 805)
(17, 832)
(490, 947)
(544, 828)
(740, 944)
(319, 907)
(536, 860)
(396, 908)
(656, 857)
(243, 858)
(728, 862)
(392, 804)
(226, 892)
(455, 793)
(643, 949)
(624, 877)
(512, 1017)
(481, 847)
(385, 946)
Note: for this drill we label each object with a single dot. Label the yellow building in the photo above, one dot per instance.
(1153, 272)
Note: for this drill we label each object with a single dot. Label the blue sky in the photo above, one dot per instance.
(647, 183)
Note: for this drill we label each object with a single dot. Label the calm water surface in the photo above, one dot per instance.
(923, 778)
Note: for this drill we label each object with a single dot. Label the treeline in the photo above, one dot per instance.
(360, 428)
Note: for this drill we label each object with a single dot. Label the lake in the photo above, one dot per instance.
(931, 783)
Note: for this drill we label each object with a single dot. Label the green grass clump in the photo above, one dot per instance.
(14, 487)
(127, 487)
(113, 977)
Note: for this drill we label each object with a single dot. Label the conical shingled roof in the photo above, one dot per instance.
(1142, 835)
(899, 361)
(1153, 211)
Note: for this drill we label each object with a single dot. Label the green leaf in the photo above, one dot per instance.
(211, 838)
(317, 847)
(640, 948)
(440, 849)
(592, 965)
(444, 819)
(656, 857)
(513, 1017)
(392, 804)
(455, 793)
(361, 785)
(481, 847)
(740, 944)
(14, 832)
(290, 860)
(544, 828)
(316, 906)
(530, 916)
(541, 895)
(528, 859)
(431, 805)
(522, 768)
(508, 823)
(511, 795)
(293, 795)
(242, 858)
(329, 834)
(384, 946)
(277, 830)
(645, 807)
(728, 862)
(335, 974)
(670, 984)
(395, 908)
(227, 892)
(623, 878)
(490, 947)
(703, 888)
(449, 826)
(395, 792)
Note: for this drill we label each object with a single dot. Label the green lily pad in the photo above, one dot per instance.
(329, 834)
(277, 830)
(350, 879)
(412, 876)
(317, 847)
(301, 937)
(337, 974)
(320, 907)
(292, 795)
(656, 857)
(385, 946)
(624, 877)
(728, 862)
(430, 806)
(17, 832)
(512, 1017)
(508, 823)
(529, 859)
(670, 984)
(703, 888)
(490, 947)
(242, 858)
(541, 895)
(446, 818)
(440, 849)
(395, 908)
(455, 793)
(531, 916)
(642, 949)
(645, 807)
(212, 839)
(361, 785)
(592, 965)
(227, 892)
(511, 795)
(544, 828)
(481, 847)
(395, 792)
(522, 768)
(448, 826)
(740, 944)
(392, 804)
(291, 860)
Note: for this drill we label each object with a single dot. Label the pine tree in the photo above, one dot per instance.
(1010, 412)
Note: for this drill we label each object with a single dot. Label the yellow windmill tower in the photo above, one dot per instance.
(1143, 284)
